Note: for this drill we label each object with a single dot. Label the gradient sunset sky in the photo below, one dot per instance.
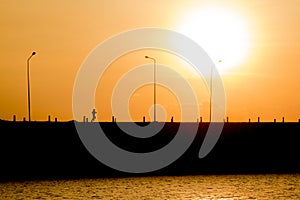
(258, 42)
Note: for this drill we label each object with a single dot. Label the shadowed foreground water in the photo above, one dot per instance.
(270, 186)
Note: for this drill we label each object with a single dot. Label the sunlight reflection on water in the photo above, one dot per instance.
(178, 187)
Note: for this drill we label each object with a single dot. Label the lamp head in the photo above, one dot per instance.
(33, 53)
(146, 57)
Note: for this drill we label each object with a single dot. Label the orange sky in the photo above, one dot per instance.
(264, 83)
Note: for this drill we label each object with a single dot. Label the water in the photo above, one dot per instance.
(180, 187)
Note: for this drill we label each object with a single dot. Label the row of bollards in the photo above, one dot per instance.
(249, 120)
(24, 118)
(49, 118)
(198, 121)
(114, 119)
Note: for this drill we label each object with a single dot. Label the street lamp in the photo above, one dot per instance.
(28, 84)
(210, 98)
(154, 85)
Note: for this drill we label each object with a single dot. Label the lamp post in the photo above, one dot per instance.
(28, 84)
(154, 85)
(210, 97)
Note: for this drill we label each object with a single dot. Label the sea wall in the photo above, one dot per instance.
(52, 150)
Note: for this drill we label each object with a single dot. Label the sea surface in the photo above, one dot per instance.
(272, 186)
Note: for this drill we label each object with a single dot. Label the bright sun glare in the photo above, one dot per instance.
(222, 34)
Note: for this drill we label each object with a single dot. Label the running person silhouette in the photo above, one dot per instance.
(94, 115)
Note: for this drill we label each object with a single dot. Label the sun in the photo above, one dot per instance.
(223, 34)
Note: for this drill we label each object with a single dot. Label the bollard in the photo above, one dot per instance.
(258, 119)
(83, 119)
(144, 119)
(249, 120)
(49, 118)
(86, 119)
(200, 119)
(24, 119)
(274, 120)
(112, 119)
(55, 119)
(282, 119)
(172, 119)
(14, 118)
